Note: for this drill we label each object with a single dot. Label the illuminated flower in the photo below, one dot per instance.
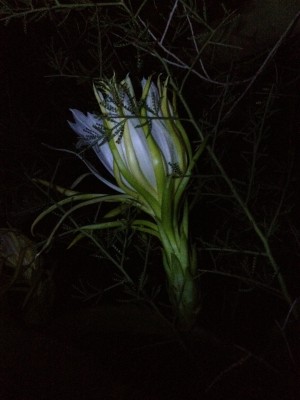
(144, 147)
(141, 142)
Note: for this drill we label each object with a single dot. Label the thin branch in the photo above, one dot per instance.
(58, 7)
(181, 64)
(263, 238)
(264, 64)
(168, 22)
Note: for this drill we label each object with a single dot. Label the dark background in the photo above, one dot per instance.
(240, 350)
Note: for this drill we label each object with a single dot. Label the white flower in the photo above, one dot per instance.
(140, 143)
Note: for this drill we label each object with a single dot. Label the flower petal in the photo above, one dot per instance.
(165, 144)
(137, 153)
(86, 128)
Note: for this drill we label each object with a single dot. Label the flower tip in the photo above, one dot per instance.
(99, 96)
(127, 81)
(73, 126)
(76, 113)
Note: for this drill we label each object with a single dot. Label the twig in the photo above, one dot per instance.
(168, 23)
(58, 7)
(264, 64)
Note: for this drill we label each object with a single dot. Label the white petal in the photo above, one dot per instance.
(141, 151)
(81, 126)
(105, 156)
(85, 127)
(153, 98)
(129, 87)
(164, 142)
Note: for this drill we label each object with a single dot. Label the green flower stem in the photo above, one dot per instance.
(179, 261)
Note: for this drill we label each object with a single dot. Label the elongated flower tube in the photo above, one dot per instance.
(145, 149)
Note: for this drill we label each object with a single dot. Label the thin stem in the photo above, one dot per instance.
(255, 226)
(168, 23)
(245, 209)
(264, 64)
(58, 7)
